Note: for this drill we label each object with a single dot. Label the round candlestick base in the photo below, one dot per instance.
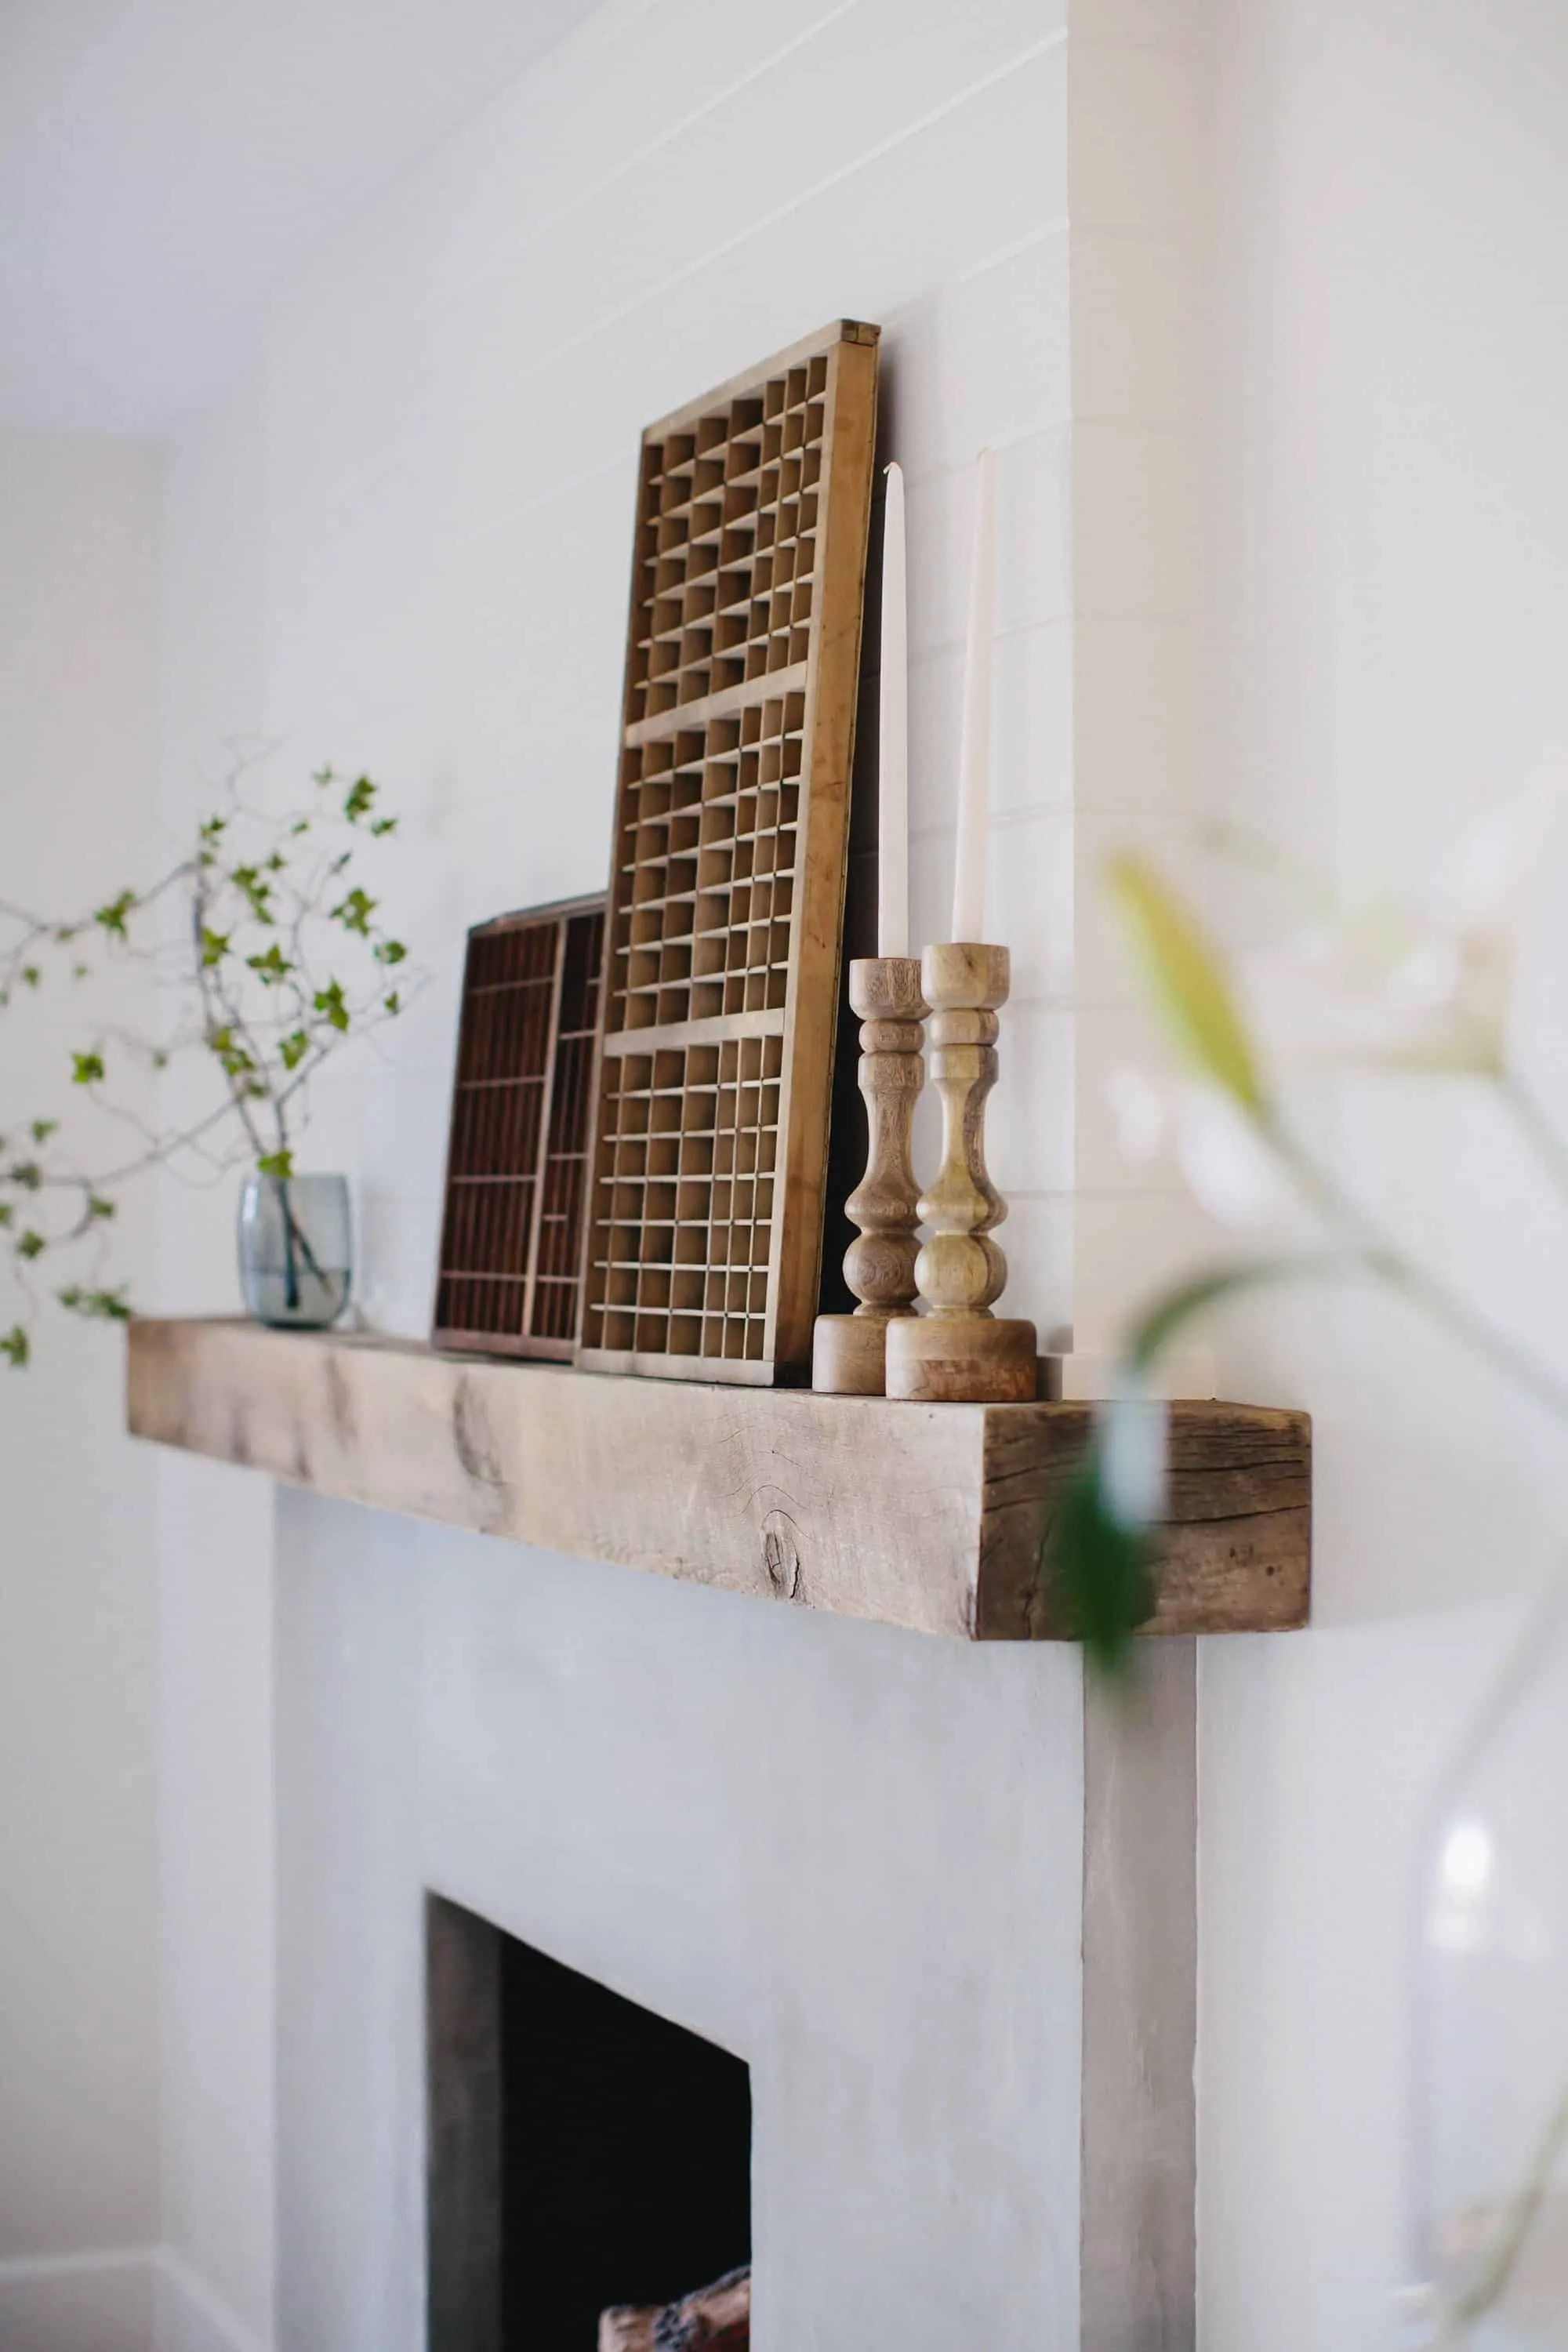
(849, 1353)
(962, 1360)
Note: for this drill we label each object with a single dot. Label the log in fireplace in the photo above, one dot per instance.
(583, 2153)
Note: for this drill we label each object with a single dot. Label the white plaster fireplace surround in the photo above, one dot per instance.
(849, 1855)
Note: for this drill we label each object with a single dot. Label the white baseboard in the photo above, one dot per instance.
(98, 2302)
(115, 2299)
(190, 2317)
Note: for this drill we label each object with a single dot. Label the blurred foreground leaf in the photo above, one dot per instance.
(1187, 981)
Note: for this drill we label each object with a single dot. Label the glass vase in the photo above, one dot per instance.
(1492, 2051)
(296, 1256)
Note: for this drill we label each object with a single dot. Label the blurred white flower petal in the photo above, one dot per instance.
(1227, 1162)
(1493, 873)
(1417, 999)
(1420, 985)
(1140, 1108)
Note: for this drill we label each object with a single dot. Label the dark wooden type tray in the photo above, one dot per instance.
(511, 1232)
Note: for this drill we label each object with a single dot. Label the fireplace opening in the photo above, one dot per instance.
(585, 2155)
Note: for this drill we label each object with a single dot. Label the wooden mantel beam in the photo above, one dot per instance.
(924, 1515)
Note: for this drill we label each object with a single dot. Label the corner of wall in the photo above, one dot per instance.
(101, 2301)
(188, 2316)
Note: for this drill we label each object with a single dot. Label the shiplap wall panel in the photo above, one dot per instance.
(462, 542)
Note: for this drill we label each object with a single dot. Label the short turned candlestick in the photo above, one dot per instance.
(849, 1351)
(958, 1350)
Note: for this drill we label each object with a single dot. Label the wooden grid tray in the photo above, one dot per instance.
(511, 1235)
(726, 884)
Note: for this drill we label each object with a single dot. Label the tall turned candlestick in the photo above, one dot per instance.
(958, 1350)
(849, 1351)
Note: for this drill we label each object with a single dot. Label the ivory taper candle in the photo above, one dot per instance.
(974, 752)
(893, 744)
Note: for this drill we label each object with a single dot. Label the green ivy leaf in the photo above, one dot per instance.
(355, 912)
(15, 1346)
(390, 951)
(7, 1213)
(27, 1174)
(214, 947)
(42, 1128)
(98, 1208)
(333, 1006)
(85, 1069)
(383, 826)
(111, 917)
(275, 1164)
(270, 968)
(292, 1049)
(231, 1055)
(104, 1306)
(256, 892)
(392, 1003)
(32, 976)
(358, 800)
(31, 1243)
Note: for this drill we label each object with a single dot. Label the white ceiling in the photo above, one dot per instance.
(166, 165)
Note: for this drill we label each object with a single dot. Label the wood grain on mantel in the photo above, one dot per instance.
(925, 1516)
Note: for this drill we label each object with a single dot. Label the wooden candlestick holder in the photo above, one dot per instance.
(958, 1350)
(849, 1351)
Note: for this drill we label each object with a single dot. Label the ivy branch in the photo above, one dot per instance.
(269, 947)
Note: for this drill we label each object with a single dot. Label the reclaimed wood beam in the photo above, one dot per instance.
(930, 1517)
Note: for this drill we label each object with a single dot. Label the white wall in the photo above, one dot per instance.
(215, 1531)
(1390, 521)
(79, 524)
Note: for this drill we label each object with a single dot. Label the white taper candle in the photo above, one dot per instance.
(893, 743)
(975, 753)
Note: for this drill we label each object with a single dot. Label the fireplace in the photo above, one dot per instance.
(583, 2153)
(852, 1856)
